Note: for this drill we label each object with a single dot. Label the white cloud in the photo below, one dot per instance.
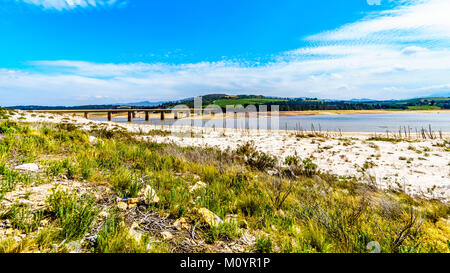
(71, 4)
(413, 20)
(379, 73)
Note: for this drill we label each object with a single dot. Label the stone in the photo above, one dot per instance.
(92, 240)
(181, 223)
(24, 202)
(103, 214)
(6, 224)
(93, 140)
(209, 217)
(29, 167)
(197, 186)
(150, 196)
(134, 201)
(166, 235)
(122, 206)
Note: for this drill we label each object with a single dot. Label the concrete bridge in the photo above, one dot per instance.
(178, 113)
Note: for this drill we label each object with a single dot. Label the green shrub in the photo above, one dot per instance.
(300, 167)
(255, 159)
(225, 231)
(23, 218)
(125, 183)
(114, 237)
(74, 215)
(264, 245)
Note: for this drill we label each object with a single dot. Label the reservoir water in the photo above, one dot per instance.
(345, 123)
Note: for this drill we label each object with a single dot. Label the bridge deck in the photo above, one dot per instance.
(131, 112)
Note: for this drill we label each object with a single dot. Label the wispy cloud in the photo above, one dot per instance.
(412, 20)
(72, 4)
(399, 53)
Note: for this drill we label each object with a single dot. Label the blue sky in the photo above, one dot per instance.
(71, 52)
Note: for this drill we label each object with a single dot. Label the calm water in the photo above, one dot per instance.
(345, 123)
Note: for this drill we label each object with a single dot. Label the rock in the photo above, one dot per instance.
(92, 240)
(6, 224)
(93, 140)
(103, 214)
(134, 201)
(150, 196)
(122, 206)
(166, 235)
(29, 167)
(24, 202)
(197, 186)
(181, 224)
(209, 217)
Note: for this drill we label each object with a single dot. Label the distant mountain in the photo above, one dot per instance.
(441, 94)
(361, 100)
(99, 106)
(142, 103)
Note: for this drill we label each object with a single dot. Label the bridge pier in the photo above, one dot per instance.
(130, 116)
(134, 114)
(147, 117)
(86, 115)
(109, 116)
(162, 115)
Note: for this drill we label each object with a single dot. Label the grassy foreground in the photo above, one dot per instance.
(95, 199)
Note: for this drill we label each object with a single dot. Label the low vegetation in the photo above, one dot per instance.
(261, 205)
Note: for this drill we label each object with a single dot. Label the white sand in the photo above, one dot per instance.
(424, 174)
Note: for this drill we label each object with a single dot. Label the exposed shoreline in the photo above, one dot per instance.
(354, 112)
